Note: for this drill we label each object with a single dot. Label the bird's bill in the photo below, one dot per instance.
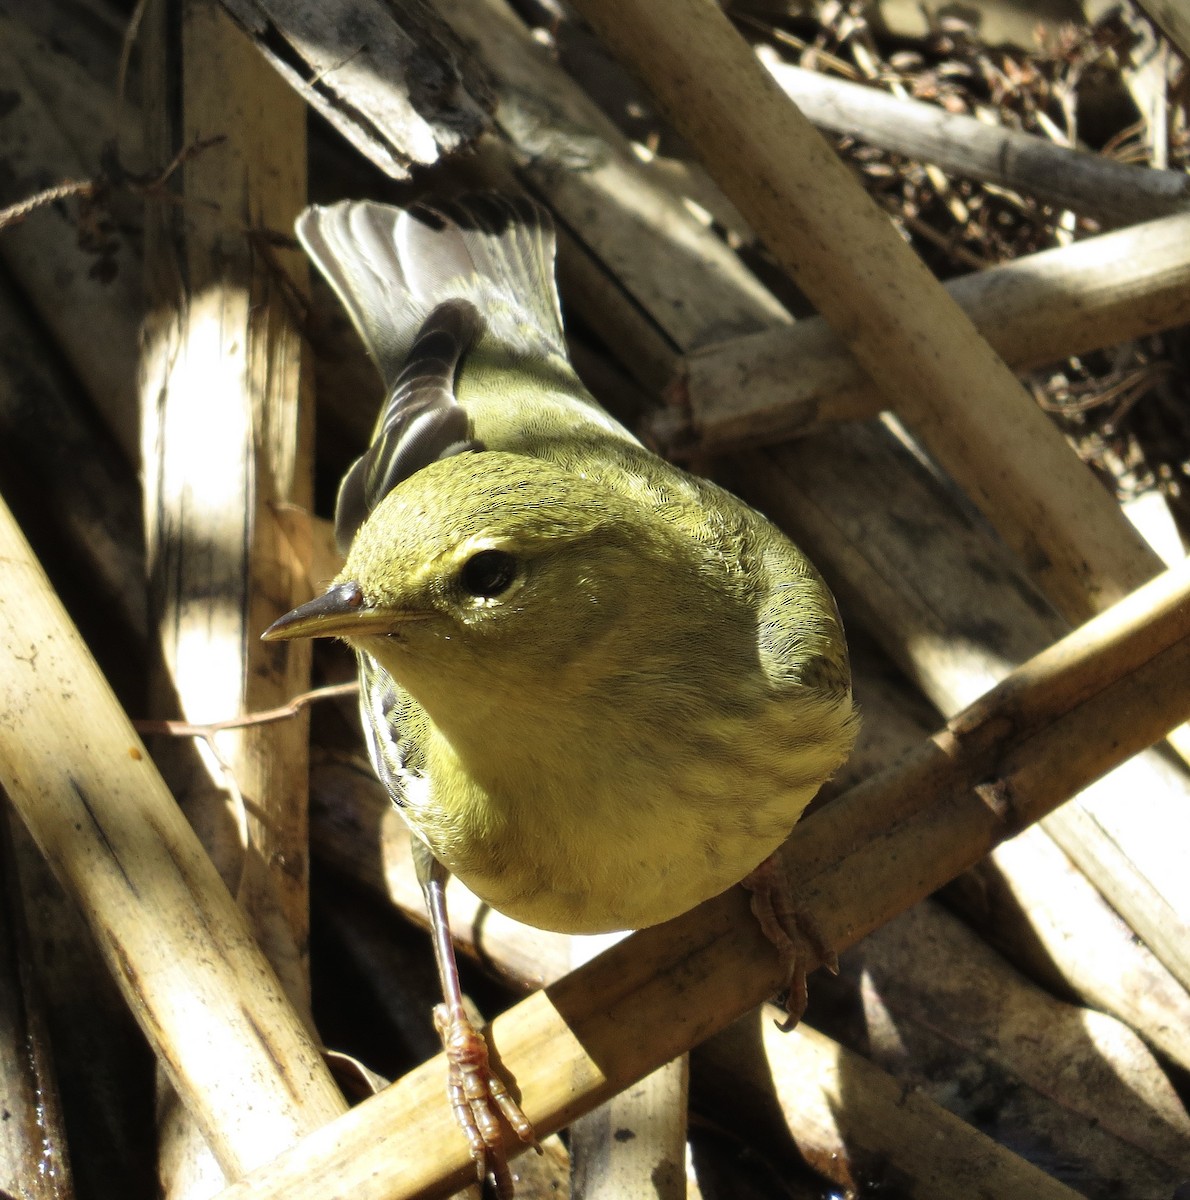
(338, 612)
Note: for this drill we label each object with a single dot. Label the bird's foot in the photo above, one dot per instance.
(478, 1097)
(795, 934)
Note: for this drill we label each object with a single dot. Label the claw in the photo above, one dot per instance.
(476, 1094)
(795, 934)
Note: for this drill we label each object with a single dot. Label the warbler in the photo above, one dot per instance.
(599, 689)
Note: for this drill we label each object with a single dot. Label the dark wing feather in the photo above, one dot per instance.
(415, 283)
(421, 421)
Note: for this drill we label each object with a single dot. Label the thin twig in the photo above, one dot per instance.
(111, 175)
(207, 732)
(281, 713)
(14, 214)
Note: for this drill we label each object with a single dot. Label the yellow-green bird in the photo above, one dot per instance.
(599, 689)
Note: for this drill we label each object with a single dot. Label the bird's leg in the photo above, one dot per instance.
(475, 1091)
(794, 933)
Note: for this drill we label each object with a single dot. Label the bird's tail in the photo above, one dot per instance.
(393, 267)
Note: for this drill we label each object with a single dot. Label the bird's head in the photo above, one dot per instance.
(487, 571)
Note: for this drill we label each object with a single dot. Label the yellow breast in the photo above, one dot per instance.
(577, 848)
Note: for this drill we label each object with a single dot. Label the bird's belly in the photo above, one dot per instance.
(624, 857)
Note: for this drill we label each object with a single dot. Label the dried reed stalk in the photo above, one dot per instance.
(227, 441)
(1033, 310)
(227, 448)
(391, 80)
(940, 1005)
(1065, 178)
(176, 943)
(635, 1143)
(577, 160)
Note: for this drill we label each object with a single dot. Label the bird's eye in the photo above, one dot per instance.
(488, 573)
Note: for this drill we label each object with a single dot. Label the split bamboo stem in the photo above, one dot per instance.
(1034, 310)
(1085, 183)
(1115, 685)
(907, 333)
(173, 938)
(227, 443)
(388, 78)
(227, 432)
